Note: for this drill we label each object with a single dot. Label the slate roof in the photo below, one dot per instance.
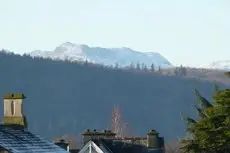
(114, 146)
(16, 139)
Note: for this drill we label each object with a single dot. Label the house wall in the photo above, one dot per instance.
(134, 140)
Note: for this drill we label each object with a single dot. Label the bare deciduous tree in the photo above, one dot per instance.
(118, 126)
(116, 121)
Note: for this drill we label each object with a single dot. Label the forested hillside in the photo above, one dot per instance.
(66, 98)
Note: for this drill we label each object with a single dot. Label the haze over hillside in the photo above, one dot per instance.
(67, 98)
(106, 56)
(221, 65)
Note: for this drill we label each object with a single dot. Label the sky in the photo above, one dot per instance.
(187, 32)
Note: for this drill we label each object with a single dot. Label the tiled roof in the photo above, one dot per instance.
(16, 139)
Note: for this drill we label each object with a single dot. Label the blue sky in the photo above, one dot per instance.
(188, 32)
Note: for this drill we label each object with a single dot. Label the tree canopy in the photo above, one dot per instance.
(210, 133)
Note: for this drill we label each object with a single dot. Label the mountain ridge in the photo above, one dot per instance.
(107, 56)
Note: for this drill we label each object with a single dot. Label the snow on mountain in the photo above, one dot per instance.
(220, 65)
(106, 56)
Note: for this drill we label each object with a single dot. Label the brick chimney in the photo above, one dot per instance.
(63, 144)
(94, 134)
(13, 110)
(152, 139)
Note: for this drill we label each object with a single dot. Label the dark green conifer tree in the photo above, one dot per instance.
(152, 67)
(211, 132)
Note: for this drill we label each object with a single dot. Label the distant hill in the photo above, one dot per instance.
(66, 98)
(106, 56)
(221, 65)
(213, 75)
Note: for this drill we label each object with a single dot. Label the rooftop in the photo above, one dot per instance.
(111, 146)
(16, 139)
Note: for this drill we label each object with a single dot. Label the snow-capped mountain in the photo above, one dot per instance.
(106, 56)
(220, 65)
